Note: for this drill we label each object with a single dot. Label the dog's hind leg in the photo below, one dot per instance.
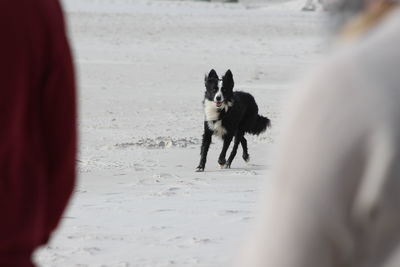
(238, 139)
(227, 142)
(205, 145)
(245, 155)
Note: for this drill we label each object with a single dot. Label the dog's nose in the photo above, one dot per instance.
(218, 98)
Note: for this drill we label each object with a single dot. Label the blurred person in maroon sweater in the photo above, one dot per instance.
(38, 126)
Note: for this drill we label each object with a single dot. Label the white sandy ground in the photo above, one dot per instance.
(141, 66)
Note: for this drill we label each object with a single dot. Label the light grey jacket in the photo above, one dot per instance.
(336, 195)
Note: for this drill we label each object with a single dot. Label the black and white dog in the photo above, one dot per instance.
(228, 115)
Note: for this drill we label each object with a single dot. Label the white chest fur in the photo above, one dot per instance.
(217, 128)
(212, 118)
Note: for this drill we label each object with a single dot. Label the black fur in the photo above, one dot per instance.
(237, 114)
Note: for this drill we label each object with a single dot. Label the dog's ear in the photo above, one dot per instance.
(213, 74)
(228, 80)
(228, 75)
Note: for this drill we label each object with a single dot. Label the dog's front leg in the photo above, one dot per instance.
(205, 145)
(227, 142)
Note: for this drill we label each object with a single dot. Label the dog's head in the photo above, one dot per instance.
(219, 91)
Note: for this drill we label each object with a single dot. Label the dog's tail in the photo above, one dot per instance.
(261, 124)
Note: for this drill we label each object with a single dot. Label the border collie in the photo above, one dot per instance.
(228, 115)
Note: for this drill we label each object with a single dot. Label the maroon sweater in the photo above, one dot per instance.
(37, 126)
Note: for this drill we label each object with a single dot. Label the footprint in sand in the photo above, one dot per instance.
(88, 250)
(169, 191)
(196, 240)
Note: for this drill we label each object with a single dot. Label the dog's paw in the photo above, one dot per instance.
(221, 162)
(246, 157)
(200, 169)
(227, 165)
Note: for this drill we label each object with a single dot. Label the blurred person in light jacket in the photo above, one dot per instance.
(38, 126)
(335, 194)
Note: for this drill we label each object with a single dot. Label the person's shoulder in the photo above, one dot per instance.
(372, 61)
(328, 83)
(358, 83)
